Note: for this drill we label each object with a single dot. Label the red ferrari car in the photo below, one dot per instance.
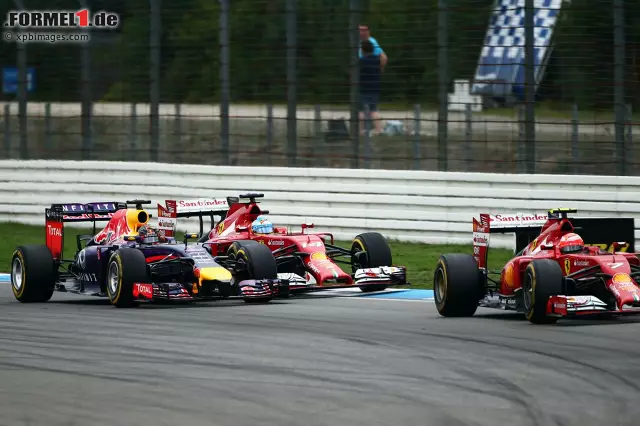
(308, 261)
(554, 274)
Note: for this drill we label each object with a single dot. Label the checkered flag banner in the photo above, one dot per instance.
(500, 71)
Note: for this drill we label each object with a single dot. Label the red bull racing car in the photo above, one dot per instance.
(129, 262)
(307, 261)
(553, 274)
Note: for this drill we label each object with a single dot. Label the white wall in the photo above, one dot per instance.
(431, 207)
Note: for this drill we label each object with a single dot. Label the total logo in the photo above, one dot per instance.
(145, 290)
(54, 231)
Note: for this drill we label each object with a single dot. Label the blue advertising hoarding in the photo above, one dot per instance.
(500, 71)
(10, 80)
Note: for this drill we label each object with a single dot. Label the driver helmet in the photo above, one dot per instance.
(262, 225)
(571, 243)
(146, 230)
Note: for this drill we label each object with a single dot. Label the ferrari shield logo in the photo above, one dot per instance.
(567, 266)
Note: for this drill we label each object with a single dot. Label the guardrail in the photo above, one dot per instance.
(304, 113)
(418, 206)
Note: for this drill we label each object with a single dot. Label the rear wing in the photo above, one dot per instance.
(600, 232)
(58, 214)
(87, 212)
(525, 226)
(203, 207)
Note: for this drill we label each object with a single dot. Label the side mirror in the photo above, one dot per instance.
(546, 247)
(618, 245)
(306, 226)
(241, 228)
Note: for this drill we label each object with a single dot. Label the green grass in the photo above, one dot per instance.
(419, 259)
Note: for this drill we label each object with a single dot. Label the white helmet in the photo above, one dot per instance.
(262, 225)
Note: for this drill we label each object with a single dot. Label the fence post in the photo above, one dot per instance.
(292, 114)
(269, 132)
(155, 35)
(530, 86)
(618, 82)
(21, 49)
(629, 135)
(417, 154)
(87, 107)
(575, 138)
(133, 131)
(443, 83)
(354, 44)
(368, 127)
(177, 131)
(522, 139)
(47, 128)
(468, 134)
(224, 80)
(318, 148)
(7, 129)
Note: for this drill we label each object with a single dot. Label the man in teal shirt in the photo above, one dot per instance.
(375, 54)
(377, 50)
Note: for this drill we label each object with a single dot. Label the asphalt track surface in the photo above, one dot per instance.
(330, 361)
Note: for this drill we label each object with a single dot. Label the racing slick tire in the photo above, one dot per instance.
(33, 274)
(457, 287)
(375, 252)
(542, 278)
(126, 267)
(259, 264)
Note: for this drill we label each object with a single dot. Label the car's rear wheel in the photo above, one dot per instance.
(542, 278)
(33, 274)
(457, 287)
(370, 250)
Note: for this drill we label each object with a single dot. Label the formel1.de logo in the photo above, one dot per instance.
(61, 19)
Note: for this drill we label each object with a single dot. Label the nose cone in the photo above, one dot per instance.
(215, 273)
(326, 270)
(625, 289)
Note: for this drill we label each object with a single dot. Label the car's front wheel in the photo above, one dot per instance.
(126, 267)
(370, 250)
(254, 262)
(542, 278)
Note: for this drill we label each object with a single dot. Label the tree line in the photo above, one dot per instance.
(580, 70)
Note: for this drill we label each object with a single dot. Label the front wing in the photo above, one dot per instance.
(567, 306)
(147, 292)
(384, 276)
(265, 288)
(248, 289)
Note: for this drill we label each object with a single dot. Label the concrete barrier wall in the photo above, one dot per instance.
(429, 207)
